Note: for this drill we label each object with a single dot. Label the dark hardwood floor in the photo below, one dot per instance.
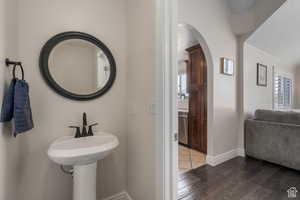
(238, 179)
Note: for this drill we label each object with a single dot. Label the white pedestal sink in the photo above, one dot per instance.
(83, 154)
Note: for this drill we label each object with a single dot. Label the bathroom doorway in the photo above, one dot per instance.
(192, 100)
(167, 59)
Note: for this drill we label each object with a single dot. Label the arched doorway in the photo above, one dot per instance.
(192, 99)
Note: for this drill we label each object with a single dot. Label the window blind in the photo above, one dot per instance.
(282, 92)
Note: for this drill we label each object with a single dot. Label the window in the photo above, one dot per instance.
(283, 89)
(182, 86)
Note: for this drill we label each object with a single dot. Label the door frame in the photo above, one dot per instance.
(166, 87)
(166, 82)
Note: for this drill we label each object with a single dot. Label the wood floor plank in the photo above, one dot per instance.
(238, 179)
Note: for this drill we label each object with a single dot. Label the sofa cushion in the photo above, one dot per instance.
(278, 116)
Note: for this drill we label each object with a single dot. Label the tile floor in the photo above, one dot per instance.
(190, 159)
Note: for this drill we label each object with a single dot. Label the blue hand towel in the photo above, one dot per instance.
(7, 110)
(22, 110)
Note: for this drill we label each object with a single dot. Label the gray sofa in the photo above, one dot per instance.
(274, 136)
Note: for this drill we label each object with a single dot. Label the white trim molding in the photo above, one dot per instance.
(241, 152)
(120, 196)
(219, 159)
(166, 120)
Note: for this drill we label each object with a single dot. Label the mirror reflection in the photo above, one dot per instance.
(79, 66)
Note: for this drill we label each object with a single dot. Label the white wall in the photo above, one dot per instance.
(297, 88)
(141, 93)
(10, 160)
(222, 90)
(39, 20)
(257, 97)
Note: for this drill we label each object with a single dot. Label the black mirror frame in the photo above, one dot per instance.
(44, 66)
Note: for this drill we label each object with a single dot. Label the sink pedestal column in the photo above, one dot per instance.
(84, 182)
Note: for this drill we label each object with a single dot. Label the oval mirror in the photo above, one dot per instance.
(77, 65)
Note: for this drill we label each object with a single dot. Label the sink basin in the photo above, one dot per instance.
(82, 151)
(82, 154)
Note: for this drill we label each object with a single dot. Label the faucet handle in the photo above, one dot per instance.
(77, 134)
(90, 131)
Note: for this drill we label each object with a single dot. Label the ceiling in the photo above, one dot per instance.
(248, 15)
(240, 6)
(280, 34)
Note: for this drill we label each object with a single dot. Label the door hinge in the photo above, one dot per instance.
(175, 137)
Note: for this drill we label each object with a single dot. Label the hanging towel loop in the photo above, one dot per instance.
(13, 73)
(14, 70)
(8, 63)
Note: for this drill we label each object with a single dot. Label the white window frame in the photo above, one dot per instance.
(283, 75)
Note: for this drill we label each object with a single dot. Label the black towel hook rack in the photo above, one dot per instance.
(14, 63)
(9, 62)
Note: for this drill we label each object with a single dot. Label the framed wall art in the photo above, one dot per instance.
(262, 75)
(227, 66)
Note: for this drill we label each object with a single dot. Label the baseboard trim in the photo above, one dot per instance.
(218, 159)
(120, 196)
(241, 152)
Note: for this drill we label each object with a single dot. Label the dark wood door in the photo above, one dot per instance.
(197, 119)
